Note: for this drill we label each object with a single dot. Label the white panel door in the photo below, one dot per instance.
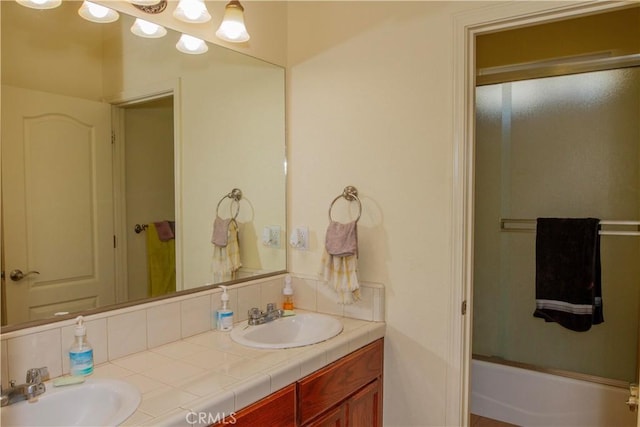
(57, 203)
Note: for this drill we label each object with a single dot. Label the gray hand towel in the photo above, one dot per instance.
(220, 235)
(342, 239)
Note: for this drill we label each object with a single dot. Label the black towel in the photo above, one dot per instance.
(568, 282)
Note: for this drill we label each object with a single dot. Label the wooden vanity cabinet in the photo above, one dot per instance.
(346, 393)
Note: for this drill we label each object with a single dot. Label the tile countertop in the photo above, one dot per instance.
(209, 374)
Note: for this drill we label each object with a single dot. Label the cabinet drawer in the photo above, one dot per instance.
(336, 382)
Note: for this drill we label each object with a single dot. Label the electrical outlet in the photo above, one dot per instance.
(271, 236)
(274, 239)
(300, 238)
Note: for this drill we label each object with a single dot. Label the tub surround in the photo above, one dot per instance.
(169, 350)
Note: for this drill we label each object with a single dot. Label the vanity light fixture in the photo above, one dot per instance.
(232, 28)
(191, 45)
(144, 2)
(152, 7)
(192, 11)
(97, 13)
(147, 29)
(40, 4)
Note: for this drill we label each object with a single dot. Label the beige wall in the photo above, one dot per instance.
(66, 61)
(371, 93)
(370, 105)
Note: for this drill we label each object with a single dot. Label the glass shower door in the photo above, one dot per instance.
(566, 146)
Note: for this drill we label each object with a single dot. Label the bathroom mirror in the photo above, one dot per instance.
(211, 123)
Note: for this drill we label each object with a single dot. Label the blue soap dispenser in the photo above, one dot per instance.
(224, 316)
(81, 352)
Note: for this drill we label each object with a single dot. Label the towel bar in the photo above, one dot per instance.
(235, 195)
(350, 193)
(520, 225)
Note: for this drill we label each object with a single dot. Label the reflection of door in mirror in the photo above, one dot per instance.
(148, 197)
(57, 175)
(57, 188)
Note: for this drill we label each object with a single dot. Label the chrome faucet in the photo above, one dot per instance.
(33, 387)
(257, 317)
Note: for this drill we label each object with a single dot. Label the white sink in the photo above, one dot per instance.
(286, 332)
(96, 402)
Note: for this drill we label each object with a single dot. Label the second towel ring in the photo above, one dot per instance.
(350, 193)
(235, 195)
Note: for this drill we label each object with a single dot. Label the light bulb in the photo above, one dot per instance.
(97, 10)
(147, 29)
(192, 11)
(97, 13)
(40, 4)
(191, 45)
(232, 28)
(145, 2)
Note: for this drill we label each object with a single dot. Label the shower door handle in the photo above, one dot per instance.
(632, 402)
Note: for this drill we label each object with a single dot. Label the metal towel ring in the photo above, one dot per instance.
(351, 194)
(235, 196)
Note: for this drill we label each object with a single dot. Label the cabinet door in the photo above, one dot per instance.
(275, 410)
(333, 384)
(336, 417)
(365, 407)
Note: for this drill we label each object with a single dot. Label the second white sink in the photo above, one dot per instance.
(96, 402)
(293, 331)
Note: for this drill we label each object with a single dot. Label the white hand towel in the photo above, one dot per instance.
(340, 261)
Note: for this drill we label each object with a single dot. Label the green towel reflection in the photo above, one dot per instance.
(161, 263)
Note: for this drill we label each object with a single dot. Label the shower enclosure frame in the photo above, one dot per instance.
(466, 26)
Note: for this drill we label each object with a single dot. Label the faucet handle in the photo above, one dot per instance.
(254, 313)
(37, 375)
(271, 307)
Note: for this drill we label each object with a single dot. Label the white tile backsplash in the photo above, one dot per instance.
(127, 333)
(248, 297)
(156, 325)
(305, 293)
(363, 308)
(271, 292)
(196, 315)
(34, 351)
(163, 324)
(326, 300)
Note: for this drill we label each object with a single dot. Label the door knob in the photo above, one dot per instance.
(17, 274)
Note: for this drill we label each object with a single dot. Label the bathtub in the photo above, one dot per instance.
(529, 398)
